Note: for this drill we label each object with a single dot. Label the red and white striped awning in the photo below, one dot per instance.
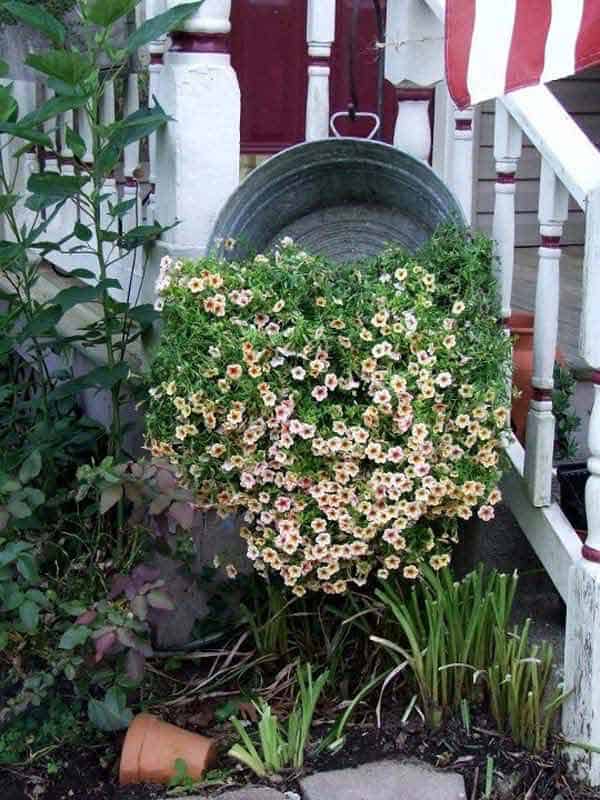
(496, 46)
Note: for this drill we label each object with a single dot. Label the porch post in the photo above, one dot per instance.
(320, 34)
(553, 212)
(581, 714)
(198, 154)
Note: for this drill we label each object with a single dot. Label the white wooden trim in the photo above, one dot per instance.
(547, 529)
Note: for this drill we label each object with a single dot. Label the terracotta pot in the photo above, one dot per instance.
(521, 327)
(152, 747)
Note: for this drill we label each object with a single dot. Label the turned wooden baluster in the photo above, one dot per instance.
(462, 161)
(589, 348)
(507, 151)
(553, 212)
(320, 34)
(157, 49)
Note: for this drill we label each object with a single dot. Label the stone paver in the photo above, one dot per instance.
(385, 780)
(250, 793)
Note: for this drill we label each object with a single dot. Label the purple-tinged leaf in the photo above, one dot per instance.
(139, 607)
(126, 637)
(86, 618)
(183, 514)
(144, 574)
(118, 586)
(161, 600)
(134, 664)
(160, 503)
(110, 497)
(104, 644)
(165, 480)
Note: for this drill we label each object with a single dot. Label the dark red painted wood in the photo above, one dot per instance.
(366, 71)
(268, 51)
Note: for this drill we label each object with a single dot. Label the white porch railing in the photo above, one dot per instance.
(570, 167)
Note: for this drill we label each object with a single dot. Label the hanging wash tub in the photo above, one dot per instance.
(341, 198)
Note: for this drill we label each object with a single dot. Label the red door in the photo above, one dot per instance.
(269, 53)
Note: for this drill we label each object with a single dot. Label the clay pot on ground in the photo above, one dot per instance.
(152, 747)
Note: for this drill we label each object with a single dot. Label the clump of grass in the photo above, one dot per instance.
(518, 682)
(278, 746)
(455, 644)
(447, 634)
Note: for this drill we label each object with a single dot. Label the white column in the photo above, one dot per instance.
(320, 34)
(199, 152)
(581, 714)
(553, 212)
(507, 151)
(157, 49)
(412, 132)
(131, 154)
(462, 161)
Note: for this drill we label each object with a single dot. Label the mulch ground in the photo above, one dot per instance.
(87, 774)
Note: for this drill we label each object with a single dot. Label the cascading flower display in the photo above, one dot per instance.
(353, 414)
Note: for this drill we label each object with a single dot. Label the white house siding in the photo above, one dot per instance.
(580, 95)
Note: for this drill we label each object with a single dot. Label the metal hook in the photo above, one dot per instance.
(356, 115)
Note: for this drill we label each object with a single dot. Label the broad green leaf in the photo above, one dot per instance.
(33, 497)
(86, 274)
(37, 17)
(55, 184)
(144, 315)
(49, 188)
(52, 107)
(37, 597)
(160, 600)
(11, 253)
(110, 714)
(18, 509)
(73, 637)
(31, 467)
(75, 143)
(28, 568)
(140, 235)
(21, 132)
(67, 298)
(163, 23)
(9, 108)
(82, 232)
(12, 551)
(139, 124)
(120, 209)
(99, 378)
(105, 12)
(110, 497)
(3, 639)
(67, 66)
(42, 323)
(8, 201)
(4, 68)
(30, 615)
(108, 158)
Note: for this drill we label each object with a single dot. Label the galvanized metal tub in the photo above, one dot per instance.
(341, 198)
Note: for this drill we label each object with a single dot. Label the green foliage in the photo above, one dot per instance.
(278, 746)
(58, 722)
(56, 8)
(447, 632)
(111, 713)
(518, 681)
(455, 645)
(357, 412)
(567, 421)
